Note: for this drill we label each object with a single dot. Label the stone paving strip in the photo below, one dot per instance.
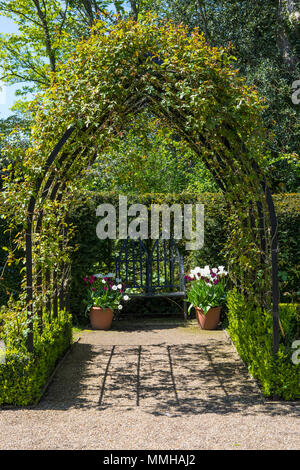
(158, 375)
(152, 388)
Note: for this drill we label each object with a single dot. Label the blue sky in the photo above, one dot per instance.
(7, 95)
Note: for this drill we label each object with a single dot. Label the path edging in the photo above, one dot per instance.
(253, 379)
(56, 368)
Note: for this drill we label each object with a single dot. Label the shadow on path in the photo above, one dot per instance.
(173, 380)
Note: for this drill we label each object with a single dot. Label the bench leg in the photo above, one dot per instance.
(185, 310)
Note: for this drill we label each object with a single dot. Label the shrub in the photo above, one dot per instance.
(250, 329)
(24, 374)
(10, 278)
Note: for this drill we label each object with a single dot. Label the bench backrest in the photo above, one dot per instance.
(153, 268)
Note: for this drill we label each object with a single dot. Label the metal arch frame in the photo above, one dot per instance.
(29, 231)
(30, 212)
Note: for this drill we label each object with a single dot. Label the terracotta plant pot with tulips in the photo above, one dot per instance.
(206, 292)
(105, 294)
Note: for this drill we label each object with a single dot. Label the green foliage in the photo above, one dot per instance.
(92, 255)
(14, 140)
(254, 31)
(10, 277)
(250, 329)
(24, 374)
(148, 158)
(288, 210)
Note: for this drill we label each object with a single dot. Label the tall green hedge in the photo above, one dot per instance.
(10, 277)
(94, 255)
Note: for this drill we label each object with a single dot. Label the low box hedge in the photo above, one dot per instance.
(250, 329)
(23, 375)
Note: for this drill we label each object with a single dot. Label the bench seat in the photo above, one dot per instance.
(159, 294)
(142, 267)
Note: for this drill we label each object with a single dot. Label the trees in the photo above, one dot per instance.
(48, 33)
(149, 157)
(264, 37)
(289, 33)
(30, 55)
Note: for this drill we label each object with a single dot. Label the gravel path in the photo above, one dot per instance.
(160, 388)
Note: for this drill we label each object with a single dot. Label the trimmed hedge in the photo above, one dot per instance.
(94, 255)
(250, 329)
(23, 375)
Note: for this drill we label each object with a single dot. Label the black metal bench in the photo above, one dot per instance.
(156, 269)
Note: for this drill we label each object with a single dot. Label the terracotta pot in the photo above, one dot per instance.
(101, 318)
(209, 321)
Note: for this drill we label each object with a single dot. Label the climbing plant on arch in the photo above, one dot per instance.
(195, 90)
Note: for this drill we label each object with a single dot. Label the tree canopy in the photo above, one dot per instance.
(263, 36)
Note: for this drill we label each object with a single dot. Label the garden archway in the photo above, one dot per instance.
(192, 87)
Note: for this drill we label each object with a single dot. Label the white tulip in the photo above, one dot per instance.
(126, 297)
(222, 270)
(114, 287)
(120, 307)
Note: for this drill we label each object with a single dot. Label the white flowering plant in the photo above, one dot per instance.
(105, 291)
(206, 287)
